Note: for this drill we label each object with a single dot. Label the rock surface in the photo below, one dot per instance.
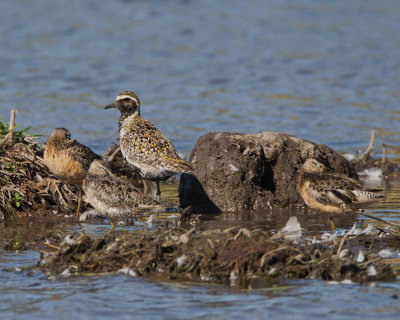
(236, 172)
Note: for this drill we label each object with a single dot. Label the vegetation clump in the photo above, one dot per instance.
(25, 181)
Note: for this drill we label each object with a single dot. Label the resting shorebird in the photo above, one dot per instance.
(68, 159)
(112, 196)
(143, 146)
(331, 192)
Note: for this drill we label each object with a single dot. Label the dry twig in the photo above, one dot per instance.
(369, 149)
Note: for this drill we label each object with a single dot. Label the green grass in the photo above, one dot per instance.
(18, 136)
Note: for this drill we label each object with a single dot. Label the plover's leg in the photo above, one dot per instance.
(158, 194)
(145, 186)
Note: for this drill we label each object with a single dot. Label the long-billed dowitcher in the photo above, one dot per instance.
(331, 192)
(112, 196)
(68, 159)
(143, 146)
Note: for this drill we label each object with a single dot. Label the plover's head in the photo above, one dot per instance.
(127, 102)
(100, 168)
(60, 134)
(314, 166)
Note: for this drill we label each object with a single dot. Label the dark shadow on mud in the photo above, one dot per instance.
(191, 188)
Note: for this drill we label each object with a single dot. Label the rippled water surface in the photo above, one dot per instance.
(326, 71)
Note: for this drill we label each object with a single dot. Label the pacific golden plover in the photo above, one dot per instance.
(68, 159)
(112, 196)
(331, 192)
(143, 146)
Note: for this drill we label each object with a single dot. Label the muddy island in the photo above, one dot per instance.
(234, 172)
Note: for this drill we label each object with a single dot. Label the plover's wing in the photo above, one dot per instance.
(146, 144)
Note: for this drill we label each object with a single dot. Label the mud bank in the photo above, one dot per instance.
(223, 255)
(238, 172)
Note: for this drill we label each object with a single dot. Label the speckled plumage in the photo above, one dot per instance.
(110, 195)
(146, 148)
(331, 192)
(67, 158)
(142, 145)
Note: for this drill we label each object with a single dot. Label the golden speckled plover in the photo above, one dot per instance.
(143, 146)
(68, 159)
(112, 196)
(331, 192)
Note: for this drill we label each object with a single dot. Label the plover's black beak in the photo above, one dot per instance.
(111, 105)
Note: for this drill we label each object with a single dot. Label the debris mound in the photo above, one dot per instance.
(215, 256)
(25, 181)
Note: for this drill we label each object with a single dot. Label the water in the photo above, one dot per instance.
(325, 71)
(321, 70)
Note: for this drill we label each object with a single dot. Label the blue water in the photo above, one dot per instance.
(322, 70)
(326, 71)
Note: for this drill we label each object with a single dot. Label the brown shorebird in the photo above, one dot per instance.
(68, 159)
(331, 192)
(112, 196)
(143, 146)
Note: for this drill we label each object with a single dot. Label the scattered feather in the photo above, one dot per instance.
(385, 253)
(128, 271)
(233, 168)
(349, 156)
(344, 253)
(65, 273)
(347, 281)
(233, 278)
(112, 246)
(355, 230)
(372, 173)
(328, 236)
(292, 229)
(369, 229)
(69, 240)
(371, 271)
(181, 261)
(272, 271)
(150, 220)
(92, 213)
(360, 257)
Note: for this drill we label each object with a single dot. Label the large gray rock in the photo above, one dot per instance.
(237, 172)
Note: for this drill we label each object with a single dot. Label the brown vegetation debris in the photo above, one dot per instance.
(212, 256)
(27, 184)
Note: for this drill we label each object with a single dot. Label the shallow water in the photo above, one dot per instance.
(326, 71)
(32, 294)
